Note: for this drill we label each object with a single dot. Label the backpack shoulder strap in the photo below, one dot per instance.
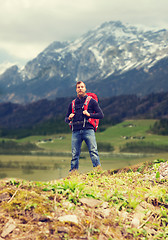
(87, 101)
(73, 106)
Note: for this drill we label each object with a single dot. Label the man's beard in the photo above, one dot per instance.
(81, 94)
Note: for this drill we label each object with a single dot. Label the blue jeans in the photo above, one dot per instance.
(87, 135)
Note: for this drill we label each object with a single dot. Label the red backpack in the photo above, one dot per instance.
(94, 122)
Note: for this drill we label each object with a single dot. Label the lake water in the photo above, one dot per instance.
(47, 168)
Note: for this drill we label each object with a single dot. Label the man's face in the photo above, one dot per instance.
(81, 90)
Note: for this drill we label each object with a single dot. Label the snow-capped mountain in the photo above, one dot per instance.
(112, 59)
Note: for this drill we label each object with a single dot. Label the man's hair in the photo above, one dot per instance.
(79, 82)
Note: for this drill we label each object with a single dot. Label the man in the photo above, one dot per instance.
(82, 130)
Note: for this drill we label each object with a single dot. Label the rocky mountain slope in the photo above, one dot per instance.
(112, 59)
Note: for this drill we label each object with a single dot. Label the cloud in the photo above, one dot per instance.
(28, 26)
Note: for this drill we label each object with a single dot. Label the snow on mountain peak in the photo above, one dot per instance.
(111, 48)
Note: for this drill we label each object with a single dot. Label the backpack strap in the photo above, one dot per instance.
(73, 111)
(73, 106)
(86, 103)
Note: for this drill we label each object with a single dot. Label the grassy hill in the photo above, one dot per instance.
(125, 204)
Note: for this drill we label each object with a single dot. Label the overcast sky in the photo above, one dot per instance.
(29, 26)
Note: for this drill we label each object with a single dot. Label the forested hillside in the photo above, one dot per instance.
(47, 116)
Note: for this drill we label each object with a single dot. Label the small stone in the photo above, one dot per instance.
(90, 202)
(62, 229)
(135, 222)
(104, 213)
(138, 216)
(8, 228)
(4, 196)
(67, 205)
(104, 205)
(69, 218)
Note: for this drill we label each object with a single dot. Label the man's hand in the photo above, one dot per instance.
(85, 112)
(71, 116)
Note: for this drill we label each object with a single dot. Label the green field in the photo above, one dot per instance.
(130, 128)
(55, 152)
(134, 130)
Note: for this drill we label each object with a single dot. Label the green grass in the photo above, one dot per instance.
(112, 135)
(59, 143)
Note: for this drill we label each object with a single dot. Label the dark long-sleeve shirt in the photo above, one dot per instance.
(78, 120)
